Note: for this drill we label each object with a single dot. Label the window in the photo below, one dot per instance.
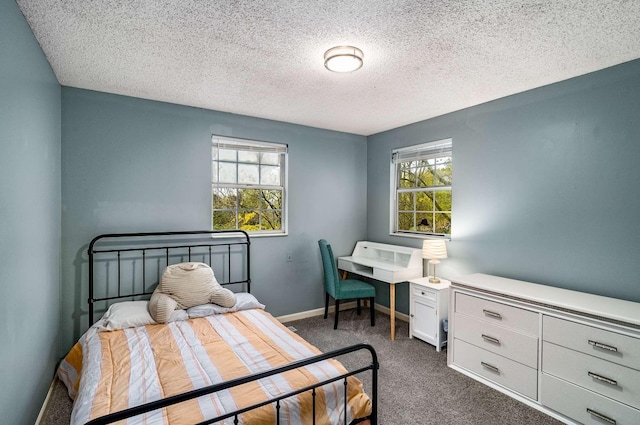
(249, 185)
(421, 189)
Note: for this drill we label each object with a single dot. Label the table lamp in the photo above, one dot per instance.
(434, 250)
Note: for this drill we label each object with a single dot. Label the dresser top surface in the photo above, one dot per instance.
(580, 302)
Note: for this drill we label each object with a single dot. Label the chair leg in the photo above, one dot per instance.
(335, 324)
(358, 310)
(372, 311)
(326, 305)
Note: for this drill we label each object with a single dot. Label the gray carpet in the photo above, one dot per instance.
(415, 384)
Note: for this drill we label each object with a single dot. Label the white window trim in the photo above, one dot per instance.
(249, 144)
(393, 198)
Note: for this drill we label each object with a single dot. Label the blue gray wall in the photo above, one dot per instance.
(133, 165)
(543, 191)
(29, 219)
(545, 185)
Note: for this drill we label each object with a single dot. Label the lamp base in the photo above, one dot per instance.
(434, 280)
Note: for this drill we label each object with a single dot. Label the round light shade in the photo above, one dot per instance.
(343, 59)
(434, 249)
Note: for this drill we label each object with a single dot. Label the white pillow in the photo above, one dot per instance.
(244, 301)
(129, 314)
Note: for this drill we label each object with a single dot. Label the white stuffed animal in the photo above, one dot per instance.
(186, 285)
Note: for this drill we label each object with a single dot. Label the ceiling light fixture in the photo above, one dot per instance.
(343, 59)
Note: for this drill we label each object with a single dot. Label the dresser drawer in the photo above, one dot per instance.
(423, 293)
(501, 314)
(583, 405)
(607, 345)
(512, 375)
(610, 379)
(497, 339)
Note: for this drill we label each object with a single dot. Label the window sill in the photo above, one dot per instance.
(267, 235)
(418, 236)
(251, 235)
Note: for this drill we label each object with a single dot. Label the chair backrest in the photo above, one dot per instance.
(331, 280)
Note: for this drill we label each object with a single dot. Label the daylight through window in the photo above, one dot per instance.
(421, 181)
(248, 185)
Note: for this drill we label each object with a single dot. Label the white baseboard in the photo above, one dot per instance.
(399, 316)
(346, 306)
(315, 312)
(46, 402)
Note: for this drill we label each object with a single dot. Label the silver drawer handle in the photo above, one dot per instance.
(602, 378)
(491, 339)
(492, 314)
(603, 346)
(601, 416)
(490, 367)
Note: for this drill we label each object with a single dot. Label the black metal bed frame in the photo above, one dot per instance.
(239, 238)
(242, 239)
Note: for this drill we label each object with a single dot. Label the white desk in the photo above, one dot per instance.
(391, 264)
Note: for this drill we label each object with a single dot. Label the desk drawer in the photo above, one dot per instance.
(501, 314)
(513, 345)
(577, 403)
(607, 345)
(513, 375)
(603, 377)
(383, 275)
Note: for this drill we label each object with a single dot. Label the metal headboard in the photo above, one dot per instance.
(181, 246)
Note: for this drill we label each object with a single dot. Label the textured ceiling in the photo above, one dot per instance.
(264, 58)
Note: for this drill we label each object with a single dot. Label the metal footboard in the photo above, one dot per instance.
(373, 418)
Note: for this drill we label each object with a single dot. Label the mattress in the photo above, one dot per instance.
(111, 370)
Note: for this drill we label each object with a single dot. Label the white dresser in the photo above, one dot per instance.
(428, 307)
(572, 355)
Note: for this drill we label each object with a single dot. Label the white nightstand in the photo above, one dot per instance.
(428, 307)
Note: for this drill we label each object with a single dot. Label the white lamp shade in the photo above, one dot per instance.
(434, 249)
(343, 59)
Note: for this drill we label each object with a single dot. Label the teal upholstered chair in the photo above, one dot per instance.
(347, 289)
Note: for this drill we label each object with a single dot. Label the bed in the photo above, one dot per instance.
(208, 364)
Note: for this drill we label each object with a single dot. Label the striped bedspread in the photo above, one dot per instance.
(129, 367)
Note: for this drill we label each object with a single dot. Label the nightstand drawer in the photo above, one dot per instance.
(610, 379)
(497, 339)
(607, 345)
(583, 405)
(423, 293)
(500, 314)
(512, 375)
